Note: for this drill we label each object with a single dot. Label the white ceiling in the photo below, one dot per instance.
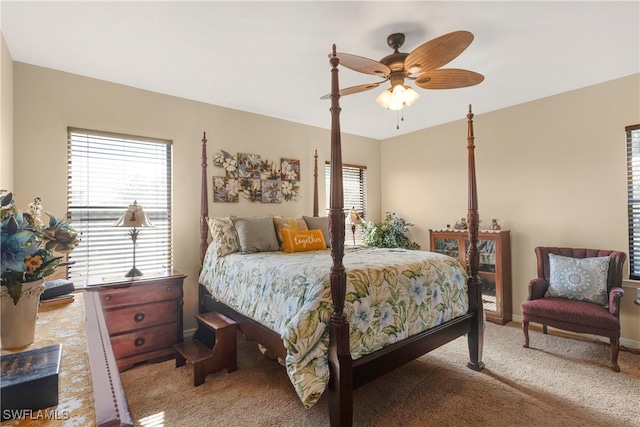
(271, 58)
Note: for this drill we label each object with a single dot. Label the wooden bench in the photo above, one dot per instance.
(212, 349)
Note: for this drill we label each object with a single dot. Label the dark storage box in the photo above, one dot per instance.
(29, 380)
(55, 288)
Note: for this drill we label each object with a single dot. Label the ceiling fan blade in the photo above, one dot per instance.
(448, 78)
(355, 89)
(437, 52)
(362, 64)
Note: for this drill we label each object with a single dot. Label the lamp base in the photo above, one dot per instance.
(134, 272)
(353, 230)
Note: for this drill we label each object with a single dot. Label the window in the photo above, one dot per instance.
(106, 174)
(354, 183)
(633, 196)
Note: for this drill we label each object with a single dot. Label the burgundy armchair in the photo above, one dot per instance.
(573, 315)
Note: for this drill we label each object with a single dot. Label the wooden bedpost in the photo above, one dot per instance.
(315, 184)
(341, 381)
(204, 204)
(476, 335)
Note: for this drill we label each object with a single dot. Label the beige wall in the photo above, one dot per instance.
(48, 101)
(6, 116)
(553, 171)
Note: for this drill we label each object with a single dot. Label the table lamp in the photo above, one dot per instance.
(134, 217)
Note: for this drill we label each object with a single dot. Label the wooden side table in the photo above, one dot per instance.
(143, 316)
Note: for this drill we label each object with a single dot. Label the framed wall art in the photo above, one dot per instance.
(256, 179)
(225, 189)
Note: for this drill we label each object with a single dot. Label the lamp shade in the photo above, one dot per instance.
(134, 217)
(410, 96)
(354, 217)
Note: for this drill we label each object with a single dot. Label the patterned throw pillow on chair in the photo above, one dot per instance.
(583, 279)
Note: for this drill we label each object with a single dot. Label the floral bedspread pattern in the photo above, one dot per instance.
(391, 295)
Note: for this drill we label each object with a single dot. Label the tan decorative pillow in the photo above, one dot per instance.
(288, 223)
(224, 236)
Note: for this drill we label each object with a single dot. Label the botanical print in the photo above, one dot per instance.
(225, 190)
(290, 169)
(248, 165)
(251, 189)
(227, 161)
(218, 158)
(269, 170)
(258, 180)
(271, 191)
(290, 191)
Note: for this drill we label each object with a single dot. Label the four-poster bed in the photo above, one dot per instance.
(346, 372)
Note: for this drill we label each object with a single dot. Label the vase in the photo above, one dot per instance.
(18, 325)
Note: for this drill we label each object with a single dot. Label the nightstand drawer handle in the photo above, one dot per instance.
(138, 342)
(107, 298)
(169, 288)
(139, 317)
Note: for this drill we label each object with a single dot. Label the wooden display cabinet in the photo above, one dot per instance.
(143, 316)
(494, 270)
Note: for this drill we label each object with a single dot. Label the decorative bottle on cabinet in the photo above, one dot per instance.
(494, 270)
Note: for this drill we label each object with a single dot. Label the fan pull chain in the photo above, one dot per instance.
(399, 118)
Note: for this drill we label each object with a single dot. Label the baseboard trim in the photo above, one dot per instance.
(188, 333)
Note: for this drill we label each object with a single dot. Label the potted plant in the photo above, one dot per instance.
(29, 253)
(390, 233)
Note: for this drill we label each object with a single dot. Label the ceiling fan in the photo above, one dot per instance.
(421, 65)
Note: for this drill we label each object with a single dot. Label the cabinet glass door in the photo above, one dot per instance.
(447, 247)
(487, 273)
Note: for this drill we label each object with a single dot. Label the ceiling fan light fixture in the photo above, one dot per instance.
(384, 99)
(398, 98)
(398, 91)
(391, 100)
(410, 96)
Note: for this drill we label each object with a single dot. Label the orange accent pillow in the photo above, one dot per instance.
(302, 240)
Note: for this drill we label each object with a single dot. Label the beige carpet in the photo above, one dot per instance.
(560, 381)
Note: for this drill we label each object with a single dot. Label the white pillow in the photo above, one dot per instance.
(583, 279)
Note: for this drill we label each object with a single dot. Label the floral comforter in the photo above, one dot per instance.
(391, 294)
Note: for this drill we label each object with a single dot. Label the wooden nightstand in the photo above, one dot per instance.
(143, 316)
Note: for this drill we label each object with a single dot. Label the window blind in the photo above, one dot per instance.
(354, 183)
(107, 173)
(633, 196)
